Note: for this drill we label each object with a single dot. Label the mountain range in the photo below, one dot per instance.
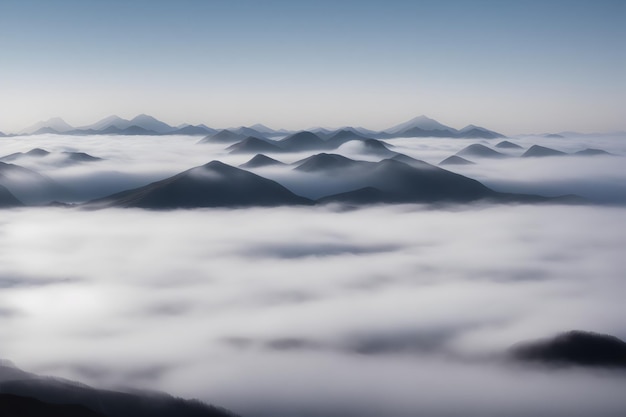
(143, 124)
(401, 179)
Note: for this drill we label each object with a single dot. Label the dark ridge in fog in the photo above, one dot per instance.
(377, 147)
(254, 145)
(456, 160)
(480, 151)
(261, 160)
(537, 151)
(505, 144)
(19, 406)
(302, 141)
(574, 348)
(391, 181)
(343, 136)
(417, 163)
(325, 162)
(212, 185)
(32, 393)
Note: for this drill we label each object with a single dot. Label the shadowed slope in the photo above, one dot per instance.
(574, 348)
(480, 151)
(211, 185)
(18, 406)
(254, 145)
(455, 160)
(47, 393)
(392, 181)
(326, 162)
(302, 141)
(260, 160)
(537, 151)
(505, 144)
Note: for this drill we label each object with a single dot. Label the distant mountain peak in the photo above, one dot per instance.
(56, 124)
(421, 122)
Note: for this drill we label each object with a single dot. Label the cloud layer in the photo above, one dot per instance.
(317, 311)
(391, 310)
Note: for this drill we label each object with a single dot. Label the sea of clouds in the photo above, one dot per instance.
(320, 311)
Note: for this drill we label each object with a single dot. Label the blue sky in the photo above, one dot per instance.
(512, 66)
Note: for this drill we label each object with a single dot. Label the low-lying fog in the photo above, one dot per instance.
(391, 311)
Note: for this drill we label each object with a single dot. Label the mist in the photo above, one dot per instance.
(395, 310)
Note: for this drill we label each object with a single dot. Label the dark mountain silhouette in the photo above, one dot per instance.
(211, 185)
(537, 151)
(456, 160)
(377, 147)
(3, 135)
(592, 152)
(477, 132)
(55, 397)
(361, 196)
(392, 181)
(505, 144)
(223, 136)
(302, 141)
(480, 151)
(553, 135)
(7, 199)
(80, 157)
(574, 348)
(400, 157)
(254, 145)
(324, 162)
(337, 139)
(18, 406)
(261, 160)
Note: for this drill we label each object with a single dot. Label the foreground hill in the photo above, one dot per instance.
(211, 185)
(574, 348)
(23, 394)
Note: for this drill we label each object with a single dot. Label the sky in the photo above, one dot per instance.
(514, 67)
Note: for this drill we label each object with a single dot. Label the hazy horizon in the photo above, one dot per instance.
(529, 67)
